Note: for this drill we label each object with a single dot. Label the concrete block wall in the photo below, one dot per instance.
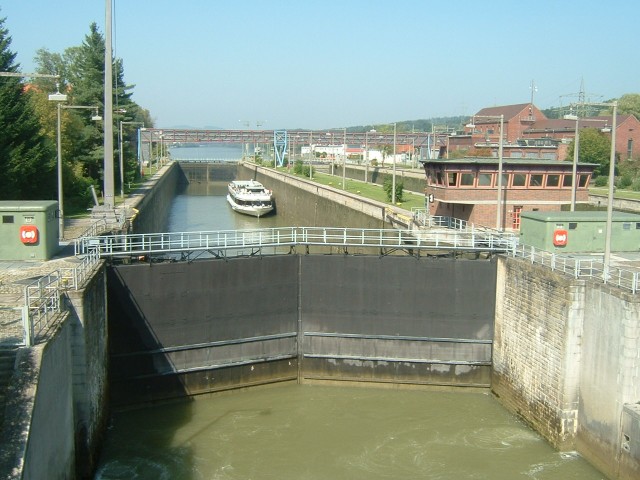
(154, 202)
(567, 359)
(536, 353)
(38, 437)
(609, 382)
(88, 321)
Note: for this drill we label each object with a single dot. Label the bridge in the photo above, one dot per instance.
(188, 245)
(170, 136)
(280, 138)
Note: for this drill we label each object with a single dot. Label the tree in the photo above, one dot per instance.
(27, 159)
(82, 77)
(594, 147)
(629, 104)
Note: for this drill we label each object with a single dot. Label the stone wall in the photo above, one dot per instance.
(566, 360)
(536, 348)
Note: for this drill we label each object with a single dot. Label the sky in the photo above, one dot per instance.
(315, 64)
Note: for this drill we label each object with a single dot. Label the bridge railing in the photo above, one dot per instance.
(229, 240)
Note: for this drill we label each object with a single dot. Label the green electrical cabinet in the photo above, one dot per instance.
(579, 232)
(28, 229)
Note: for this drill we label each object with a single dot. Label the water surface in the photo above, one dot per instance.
(314, 432)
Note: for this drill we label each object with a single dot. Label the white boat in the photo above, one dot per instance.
(250, 197)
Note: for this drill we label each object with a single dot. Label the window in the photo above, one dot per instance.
(626, 226)
(439, 179)
(536, 180)
(553, 181)
(7, 219)
(452, 179)
(467, 179)
(573, 225)
(567, 181)
(519, 179)
(505, 180)
(583, 180)
(485, 179)
(630, 148)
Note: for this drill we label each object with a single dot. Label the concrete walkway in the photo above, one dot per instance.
(15, 275)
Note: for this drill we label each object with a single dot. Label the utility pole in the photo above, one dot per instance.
(109, 184)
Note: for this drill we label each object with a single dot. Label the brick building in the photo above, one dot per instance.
(528, 133)
(536, 175)
(467, 188)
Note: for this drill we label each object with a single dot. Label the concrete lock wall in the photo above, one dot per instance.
(154, 203)
(38, 436)
(59, 399)
(88, 320)
(185, 328)
(610, 381)
(309, 204)
(566, 360)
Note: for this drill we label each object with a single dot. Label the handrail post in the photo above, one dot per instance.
(27, 325)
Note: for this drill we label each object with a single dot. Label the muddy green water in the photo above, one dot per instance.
(312, 432)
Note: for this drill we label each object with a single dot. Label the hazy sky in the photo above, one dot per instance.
(333, 63)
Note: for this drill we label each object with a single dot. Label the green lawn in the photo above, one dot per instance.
(627, 194)
(367, 190)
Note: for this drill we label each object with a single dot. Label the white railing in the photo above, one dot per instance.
(43, 298)
(581, 267)
(233, 240)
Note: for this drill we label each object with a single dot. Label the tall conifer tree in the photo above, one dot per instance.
(27, 160)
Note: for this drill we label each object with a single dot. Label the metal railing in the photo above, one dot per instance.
(576, 267)
(232, 240)
(44, 297)
(42, 305)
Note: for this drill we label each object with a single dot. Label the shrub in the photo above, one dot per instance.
(601, 181)
(388, 188)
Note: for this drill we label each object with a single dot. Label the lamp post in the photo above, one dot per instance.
(574, 169)
(120, 143)
(500, 161)
(310, 155)
(95, 117)
(612, 172)
(393, 182)
(344, 158)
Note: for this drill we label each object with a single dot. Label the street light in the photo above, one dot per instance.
(344, 159)
(95, 117)
(122, 155)
(393, 182)
(500, 145)
(574, 170)
(612, 171)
